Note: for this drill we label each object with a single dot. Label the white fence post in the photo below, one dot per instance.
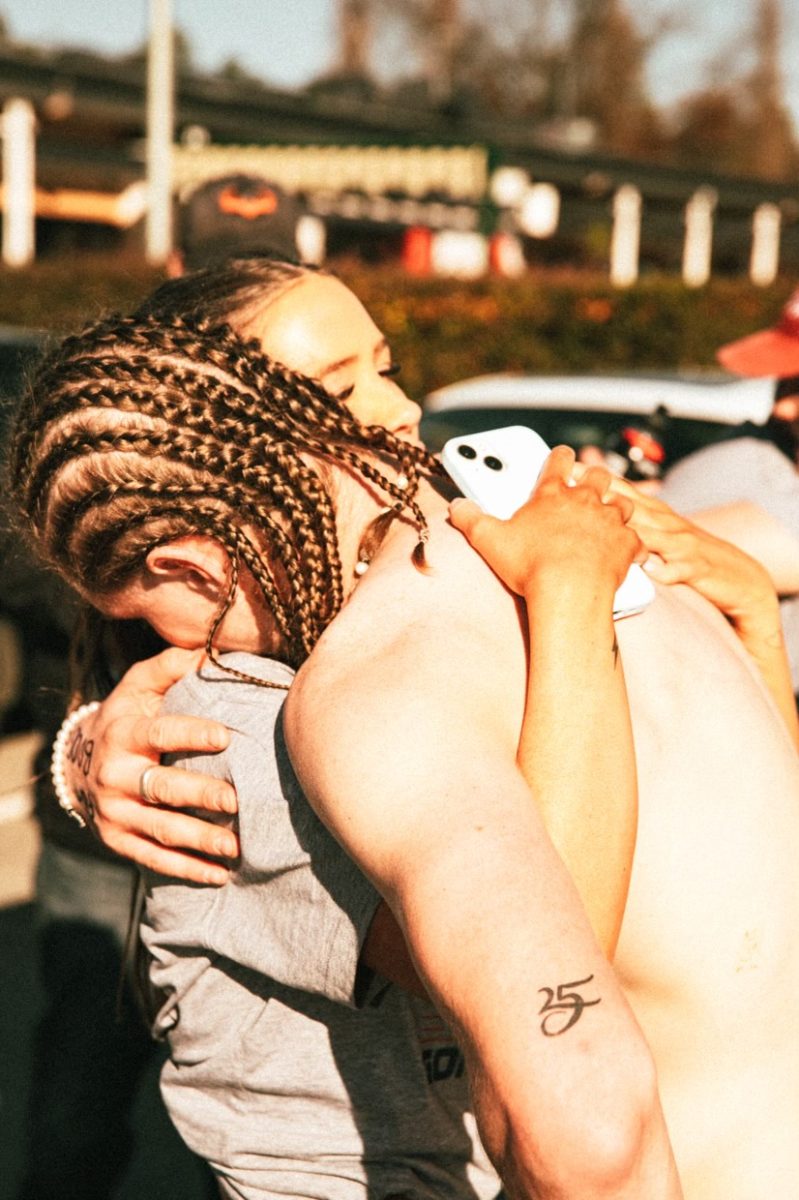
(698, 246)
(625, 240)
(764, 261)
(19, 183)
(160, 127)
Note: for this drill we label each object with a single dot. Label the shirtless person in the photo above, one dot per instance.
(428, 799)
(708, 947)
(122, 467)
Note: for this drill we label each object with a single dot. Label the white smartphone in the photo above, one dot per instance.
(498, 469)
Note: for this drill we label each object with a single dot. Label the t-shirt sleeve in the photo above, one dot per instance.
(744, 469)
(296, 908)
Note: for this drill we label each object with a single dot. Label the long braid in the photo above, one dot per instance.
(154, 426)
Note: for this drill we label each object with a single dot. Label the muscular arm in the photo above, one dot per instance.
(417, 778)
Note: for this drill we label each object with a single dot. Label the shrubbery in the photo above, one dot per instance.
(442, 330)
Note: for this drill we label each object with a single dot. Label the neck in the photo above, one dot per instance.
(356, 516)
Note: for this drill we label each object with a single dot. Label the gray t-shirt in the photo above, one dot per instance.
(290, 1073)
(744, 469)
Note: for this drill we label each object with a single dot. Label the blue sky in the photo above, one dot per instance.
(287, 42)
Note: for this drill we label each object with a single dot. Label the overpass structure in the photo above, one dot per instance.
(373, 168)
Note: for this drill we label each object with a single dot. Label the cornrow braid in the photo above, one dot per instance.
(166, 423)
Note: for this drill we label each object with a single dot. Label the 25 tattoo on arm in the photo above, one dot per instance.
(563, 1007)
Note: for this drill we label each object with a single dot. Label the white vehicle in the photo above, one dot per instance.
(644, 422)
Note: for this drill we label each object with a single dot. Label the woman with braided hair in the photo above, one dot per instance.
(465, 750)
(171, 471)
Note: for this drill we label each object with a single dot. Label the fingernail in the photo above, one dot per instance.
(225, 801)
(216, 876)
(227, 848)
(218, 739)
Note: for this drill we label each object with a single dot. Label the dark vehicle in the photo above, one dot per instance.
(642, 423)
(19, 349)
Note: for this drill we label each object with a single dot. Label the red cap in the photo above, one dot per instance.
(773, 351)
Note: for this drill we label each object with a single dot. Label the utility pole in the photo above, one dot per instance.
(160, 131)
(355, 37)
(442, 46)
(772, 149)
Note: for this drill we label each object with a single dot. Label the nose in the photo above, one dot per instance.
(405, 417)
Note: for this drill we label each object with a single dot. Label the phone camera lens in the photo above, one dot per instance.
(493, 464)
(467, 451)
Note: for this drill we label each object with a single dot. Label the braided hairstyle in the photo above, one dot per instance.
(166, 423)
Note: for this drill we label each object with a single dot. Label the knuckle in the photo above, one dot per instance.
(110, 835)
(102, 773)
(158, 730)
(160, 829)
(213, 795)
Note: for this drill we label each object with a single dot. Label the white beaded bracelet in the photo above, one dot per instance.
(57, 769)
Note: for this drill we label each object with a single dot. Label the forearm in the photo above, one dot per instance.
(564, 1086)
(576, 748)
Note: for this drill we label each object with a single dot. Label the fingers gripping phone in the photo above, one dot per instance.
(498, 469)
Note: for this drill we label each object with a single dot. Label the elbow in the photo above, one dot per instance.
(599, 1143)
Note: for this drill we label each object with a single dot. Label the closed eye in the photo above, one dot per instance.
(391, 370)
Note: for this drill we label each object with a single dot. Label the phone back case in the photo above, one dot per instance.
(498, 469)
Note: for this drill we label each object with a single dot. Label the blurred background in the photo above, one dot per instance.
(557, 210)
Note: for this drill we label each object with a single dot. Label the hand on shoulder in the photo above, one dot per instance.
(129, 733)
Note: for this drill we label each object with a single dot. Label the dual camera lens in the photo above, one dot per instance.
(491, 461)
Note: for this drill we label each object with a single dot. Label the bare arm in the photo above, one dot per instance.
(422, 789)
(414, 770)
(740, 587)
(565, 553)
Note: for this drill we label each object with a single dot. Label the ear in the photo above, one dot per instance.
(196, 560)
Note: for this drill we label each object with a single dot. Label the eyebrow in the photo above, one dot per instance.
(331, 368)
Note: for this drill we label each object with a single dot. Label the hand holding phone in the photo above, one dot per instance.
(498, 469)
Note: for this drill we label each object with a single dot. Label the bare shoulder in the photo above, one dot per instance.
(419, 677)
(411, 640)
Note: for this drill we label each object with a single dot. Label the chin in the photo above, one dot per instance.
(183, 641)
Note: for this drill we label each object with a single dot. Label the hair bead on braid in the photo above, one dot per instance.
(167, 423)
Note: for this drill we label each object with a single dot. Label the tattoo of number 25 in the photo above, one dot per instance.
(563, 1007)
